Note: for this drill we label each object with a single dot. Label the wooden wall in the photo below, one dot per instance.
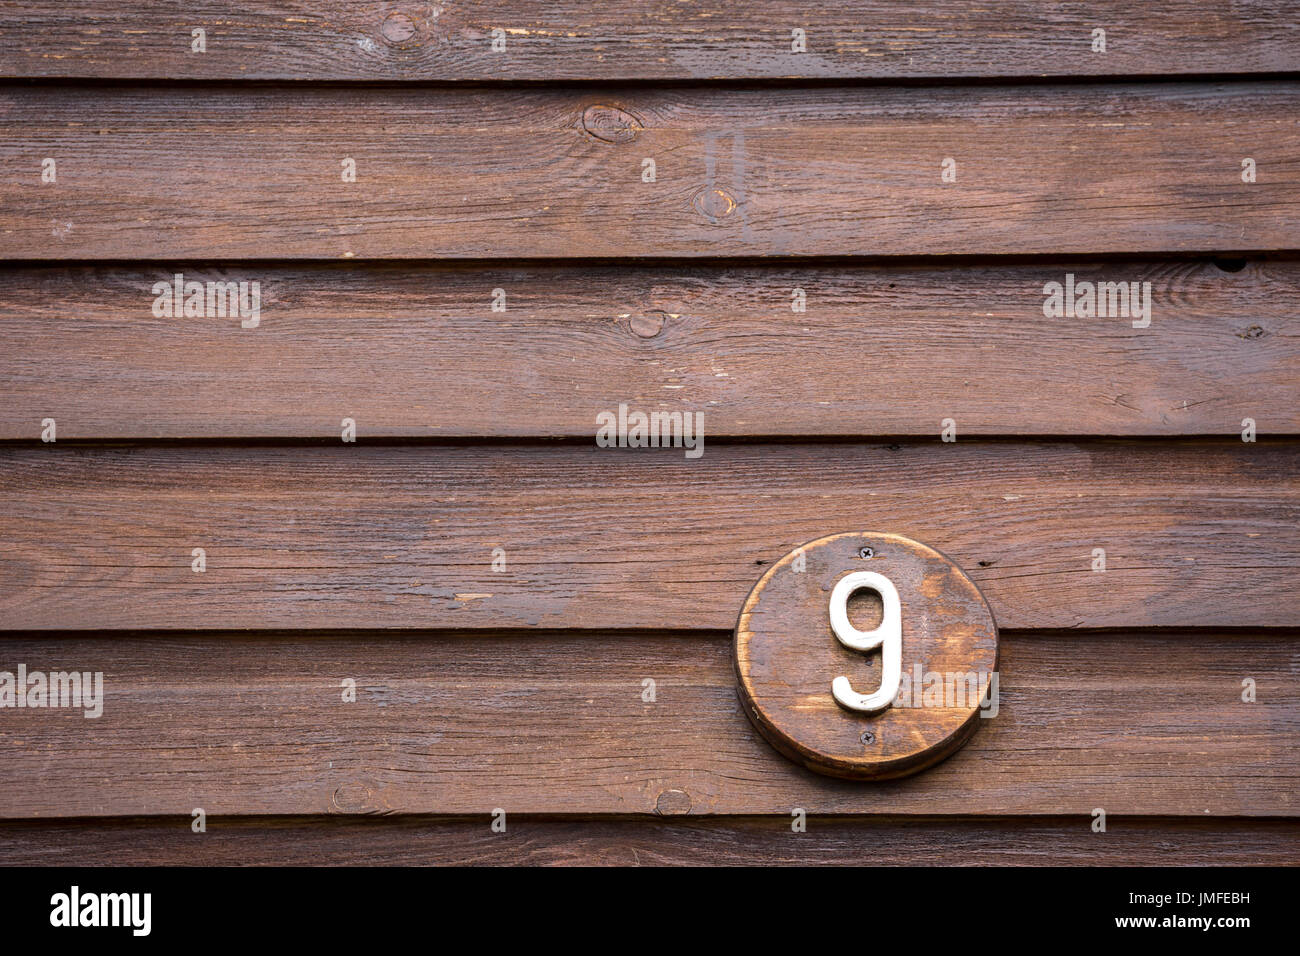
(521, 170)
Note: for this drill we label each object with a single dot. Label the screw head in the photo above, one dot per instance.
(865, 552)
(868, 737)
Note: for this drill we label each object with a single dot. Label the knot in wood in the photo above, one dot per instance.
(673, 803)
(648, 324)
(714, 202)
(400, 30)
(611, 124)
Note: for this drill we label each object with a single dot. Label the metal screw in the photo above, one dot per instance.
(868, 737)
(866, 553)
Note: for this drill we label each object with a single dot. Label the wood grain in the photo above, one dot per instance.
(653, 39)
(880, 351)
(1196, 534)
(256, 171)
(1136, 723)
(836, 841)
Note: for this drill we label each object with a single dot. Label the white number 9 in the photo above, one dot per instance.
(888, 636)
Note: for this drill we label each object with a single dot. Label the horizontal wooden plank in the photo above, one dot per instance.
(1135, 723)
(243, 172)
(879, 351)
(639, 39)
(742, 841)
(1196, 534)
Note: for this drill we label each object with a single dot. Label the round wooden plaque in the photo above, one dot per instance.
(787, 656)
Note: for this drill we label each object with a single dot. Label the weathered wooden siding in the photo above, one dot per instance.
(642, 841)
(775, 171)
(556, 171)
(641, 39)
(546, 723)
(316, 537)
(883, 350)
